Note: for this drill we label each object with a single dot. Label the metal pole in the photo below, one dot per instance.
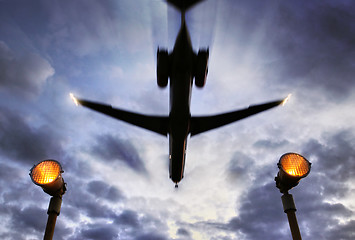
(53, 211)
(290, 210)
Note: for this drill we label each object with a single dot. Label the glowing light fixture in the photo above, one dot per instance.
(74, 99)
(48, 175)
(293, 167)
(286, 99)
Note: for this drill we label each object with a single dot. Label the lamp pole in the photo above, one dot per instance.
(48, 175)
(53, 211)
(292, 168)
(290, 209)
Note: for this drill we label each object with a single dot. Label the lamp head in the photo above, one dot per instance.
(48, 175)
(292, 168)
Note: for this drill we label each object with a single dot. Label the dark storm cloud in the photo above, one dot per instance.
(183, 232)
(70, 29)
(33, 220)
(89, 205)
(8, 173)
(28, 220)
(305, 44)
(140, 226)
(102, 190)
(261, 216)
(23, 214)
(91, 201)
(318, 218)
(315, 41)
(110, 148)
(317, 197)
(23, 143)
(239, 166)
(334, 154)
(25, 75)
(125, 225)
(97, 232)
(343, 231)
(128, 218)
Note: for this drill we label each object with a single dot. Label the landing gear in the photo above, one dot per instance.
(201, 68)
(176, 185)
(162, 68)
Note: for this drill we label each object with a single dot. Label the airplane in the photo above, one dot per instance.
(181, 67)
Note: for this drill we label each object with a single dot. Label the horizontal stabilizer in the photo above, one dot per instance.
(205, 123)
(183, 5)
(156, 124)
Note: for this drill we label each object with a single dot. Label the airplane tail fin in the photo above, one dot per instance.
(183, 5)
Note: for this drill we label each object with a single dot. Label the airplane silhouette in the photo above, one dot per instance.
(181, 66)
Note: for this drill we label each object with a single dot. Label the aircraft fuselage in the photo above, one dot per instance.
(181, 78)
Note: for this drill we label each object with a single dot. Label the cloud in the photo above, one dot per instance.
(125, 225)
(183, 232)
(101, 231)
(343, 231)
(8, 173)
(333, 155)
(260, 214)
(149, 236)
(29, 219)
(23, 142)
(29, 222)
(303, 46)
(102, 190)
(239, 167)
(270, 143)
(24, 75)
(313, 43)
(88, 205)
(102, 26)
(111, 148)
(128, 218)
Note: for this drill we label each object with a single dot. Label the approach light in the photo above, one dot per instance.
(48, 175)
(292, 167)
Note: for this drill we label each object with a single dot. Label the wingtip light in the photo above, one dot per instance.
(74, 99)
(286, 99)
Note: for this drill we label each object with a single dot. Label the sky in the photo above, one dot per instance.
(118, 185)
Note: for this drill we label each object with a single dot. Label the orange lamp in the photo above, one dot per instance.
(293, 167)
(48, 175)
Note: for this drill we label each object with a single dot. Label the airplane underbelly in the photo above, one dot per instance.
(177, 160)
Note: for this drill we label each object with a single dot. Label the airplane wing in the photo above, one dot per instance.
(156, 124)
(205, 123)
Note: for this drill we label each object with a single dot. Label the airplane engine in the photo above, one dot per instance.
(162, 68)
(201, 68)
